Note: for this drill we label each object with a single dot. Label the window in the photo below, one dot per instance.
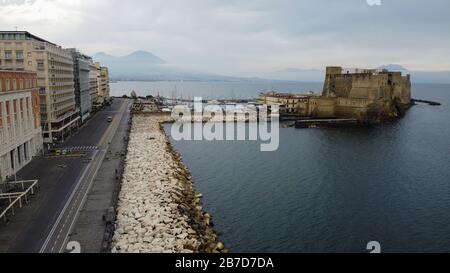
(8, 55)
(25, 150)
(19, 55)
(1, 115)
(11, 156)
(40, 66)
(19, 154)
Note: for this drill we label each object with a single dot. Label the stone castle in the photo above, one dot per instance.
(368, 95)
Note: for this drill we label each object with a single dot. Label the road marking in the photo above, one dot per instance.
(82, 202)
(64, 209)
(111, 131)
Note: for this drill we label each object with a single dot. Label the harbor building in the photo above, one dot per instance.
(81, 74)
(367, 95)
(288, 103)
(20, 126)
(23, 51)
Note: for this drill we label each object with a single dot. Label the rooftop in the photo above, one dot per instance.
(283, 95)
(21, 35)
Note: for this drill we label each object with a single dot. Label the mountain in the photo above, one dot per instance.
(316, 75)
(392, 67)
(418, 76)
(145, 66)
(143, 56)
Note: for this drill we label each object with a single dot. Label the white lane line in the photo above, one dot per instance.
(64, 209)
(82, 200)
(102, 157)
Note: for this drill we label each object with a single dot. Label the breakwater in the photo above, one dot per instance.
(429, 102)
(158, 208)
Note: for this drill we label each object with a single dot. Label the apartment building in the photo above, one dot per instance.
(93, 84)
(20, 126)
(103, 83)
(81, 72)
(20, 50)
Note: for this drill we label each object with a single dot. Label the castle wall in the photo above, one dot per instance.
(351, 107)
(321, 107)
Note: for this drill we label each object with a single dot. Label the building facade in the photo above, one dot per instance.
(81, 74)
(21, 50)
(103, 83)
(93, 84)
(20, 126)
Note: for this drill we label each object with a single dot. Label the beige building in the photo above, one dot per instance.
(103, 83)
(20, 126)
(307, 105)
(93, 84)
(288, 103)
(21, 50)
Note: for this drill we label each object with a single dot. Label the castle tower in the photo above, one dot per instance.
(329, 85)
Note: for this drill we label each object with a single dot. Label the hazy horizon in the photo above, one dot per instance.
(247, 39)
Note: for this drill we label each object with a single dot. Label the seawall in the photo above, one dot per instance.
(158, 208)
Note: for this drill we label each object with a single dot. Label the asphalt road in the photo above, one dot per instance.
(45, 225)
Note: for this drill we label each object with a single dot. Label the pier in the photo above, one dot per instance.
(429, 102)
(317, 123)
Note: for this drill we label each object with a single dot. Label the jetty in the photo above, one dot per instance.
(158, 209)
(319, 123)
(429, 102)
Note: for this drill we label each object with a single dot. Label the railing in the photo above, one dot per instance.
(16, 197)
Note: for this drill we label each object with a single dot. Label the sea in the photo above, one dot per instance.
(323, 190)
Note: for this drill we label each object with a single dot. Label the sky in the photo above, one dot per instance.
(246, 38)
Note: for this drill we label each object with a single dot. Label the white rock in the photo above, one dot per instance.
(148, 219)
(182, 235)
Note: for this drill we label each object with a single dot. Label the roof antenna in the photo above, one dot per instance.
(16, 28)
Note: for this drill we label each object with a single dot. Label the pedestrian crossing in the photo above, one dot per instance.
(80, 148)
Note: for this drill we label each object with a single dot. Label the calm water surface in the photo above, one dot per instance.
(333, 190)
(209, 90)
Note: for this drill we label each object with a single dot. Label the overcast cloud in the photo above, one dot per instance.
(246, 38)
